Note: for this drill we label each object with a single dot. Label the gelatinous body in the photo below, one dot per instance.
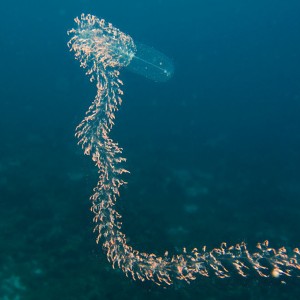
(100, 49)
(151, 63)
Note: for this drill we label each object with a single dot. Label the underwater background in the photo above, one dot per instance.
(213, 153)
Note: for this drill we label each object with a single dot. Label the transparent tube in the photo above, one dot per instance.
(151, 63)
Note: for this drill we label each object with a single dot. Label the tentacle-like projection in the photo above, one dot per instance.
(103, 50)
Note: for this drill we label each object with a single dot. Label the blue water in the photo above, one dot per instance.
(213, 153)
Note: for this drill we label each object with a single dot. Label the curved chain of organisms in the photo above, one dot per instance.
(95, 44)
